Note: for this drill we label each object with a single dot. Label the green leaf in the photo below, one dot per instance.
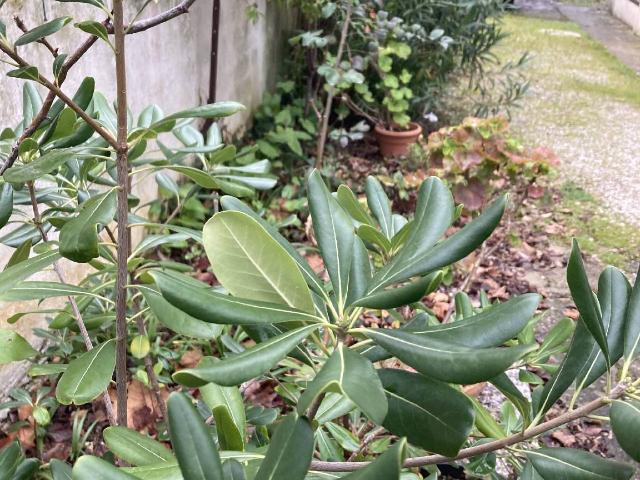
(41, 166)
(95, 3)
(25, 73)
(352, 375)
(360, 271)
(60, 470)
(20, 254)
(529, 473)
(404, 295)
(10, 458)
(441, 418)
(198, 300)
(201, 178)
(254, 361)
(386, 467)
(348, 200)
(31, 102)
(42, 290)
(504, 384)
(94, 28)
(449, 362)
(79, 236)
(94, 468)
(584, 299)
(42, 31)
(632, 324)
(233, 470)
(227, 407)
(373, 236)
(570, 464)
(380, 206)
(177, 320)
(212, 110)
(193, 445)
(13, 347)
(444, 253)
(249, 263)
(135, 448)
(47, 369)
(625, 422)
(334, 232)
(347, 440)
(27, 469)
(485, 423)
(6, 204)
(290, 451)
(88, 375)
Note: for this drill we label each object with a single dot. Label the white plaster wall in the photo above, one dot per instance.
(168, 65)
(628, 12)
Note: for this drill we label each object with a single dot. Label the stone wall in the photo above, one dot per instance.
(628, 11)
(168, 65)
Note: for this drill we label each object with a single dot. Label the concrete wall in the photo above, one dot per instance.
(168, 66)
(628, 11)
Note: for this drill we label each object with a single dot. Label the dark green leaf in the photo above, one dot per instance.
(404, 295)
(60, 470)
(20, 254)
(380, 206)
(233, 470)
(632, 324)
(625, 422)
(503, 383)
(94, 468)
(94, 28)
(42, 31)
(25, 73)
(227, 407)
(27, 469)
(359, 273)
(41, 166)
(570, 464)
(10, 458)
(6, 204)
(41, 290)
(135, 448)
(347, 200)
(529, 473)
(386, 467)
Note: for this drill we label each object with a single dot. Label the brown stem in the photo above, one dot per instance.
(492, 446)
(153, 379)
(322, 135)
(37, 220)
(122, 168)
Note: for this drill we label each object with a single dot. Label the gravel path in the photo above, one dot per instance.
(584, 103)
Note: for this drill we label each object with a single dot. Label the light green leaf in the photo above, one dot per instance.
(79, 237)
(347, 440)
(254, 361)
(201, 178)
(445, 361)
(10, 458)
(47, 369)
(193, 445)
(212, 110)
(227, 407)
(41, 166)
(20, 254)
(290, 451)
(6, 204)
(200, 301)
(135, 448)
(441, 417)
(348, 200)
(60, 470)
(88, 375)
(625, 422)
(94, 468)
(570, 464)
(249, 263)
(94, 28)
(42, 290)
(380, 206)
(352, 375)
(386, 467)
(13, 347)
(42, 31)
(31, 102)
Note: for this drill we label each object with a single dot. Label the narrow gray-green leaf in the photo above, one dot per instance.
(136, 448)
(13, 347)
(192, 443)
(625, 422)
(94, 468)
(570, 464)
(42, 31)
(236, 369)
(88, 375)
(352, 375)
(41, 166)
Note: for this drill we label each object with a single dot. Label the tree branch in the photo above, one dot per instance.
(142, 25)
(576, 414)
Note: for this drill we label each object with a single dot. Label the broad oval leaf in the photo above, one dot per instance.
(93, 468)
(227, 407)
(87, 376)
(249, 263)
(386, 467)
(441, 417)
(236, 369)
(193, 445)
(448, 362)
(352, 375)
(6, 203)
(177, 320)
(570, 464)
(135, 448)
(13, 347)
(42, 31)
(625, 422)
(201, 302)
(290, 450)
(584, 299)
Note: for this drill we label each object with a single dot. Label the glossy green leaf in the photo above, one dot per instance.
(201, 178)
(432, 415)
(584, 299)
(94, 28)
(41, 166)
(327, 447)
(88, 375)
(177, 320)
(447, 361)
(632, 324)
(136, 448)
(290, 451)
(27, 469)
(379, 205)
(249, 263)
(212, 110)
(485, 423)
(60, 470)
(625, 422)
(529, 473)
(10, 458)
(79, 236)
(227, 407)
(193, 445)
(6, 204)
(20, 254)
(352, 375)
(504, 384)
(359, 273)
(443, 253)
(25, 73)
(198, 300)
(13, 347)
(42, 290)
(42, 31)
(334, 232)
(372, 236)
(350, 203)
(404, 295)
(386, 467)
(94, 468)
(254, 361)
(47, 369)
(570, 464)
(233, 470)
(347, 440)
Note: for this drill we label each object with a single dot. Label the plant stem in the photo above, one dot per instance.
(122, 168)
(583, 411)
(153, 379)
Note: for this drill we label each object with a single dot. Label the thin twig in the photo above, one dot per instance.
(148, 365)
(43, 41)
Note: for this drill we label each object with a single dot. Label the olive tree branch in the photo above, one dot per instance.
(43, 41)
(494, 445)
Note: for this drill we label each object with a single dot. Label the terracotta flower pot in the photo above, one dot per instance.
(396, 143)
